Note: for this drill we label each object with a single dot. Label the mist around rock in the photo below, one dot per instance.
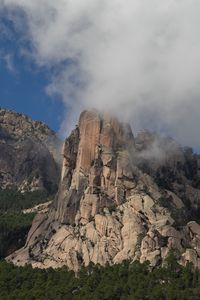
(118, 200)
(121, 196)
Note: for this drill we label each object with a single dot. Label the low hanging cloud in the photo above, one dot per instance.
(139, 59)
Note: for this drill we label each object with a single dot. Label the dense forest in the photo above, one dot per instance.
(127, 281)
(13, 231)
(14, 225)
(12, 200)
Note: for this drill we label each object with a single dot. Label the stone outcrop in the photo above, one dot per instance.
(107, 208)
(38, 209)
(172, 167)
(29, 150)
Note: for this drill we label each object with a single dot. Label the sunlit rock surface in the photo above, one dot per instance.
(108, 208)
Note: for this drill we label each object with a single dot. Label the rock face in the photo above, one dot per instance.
(172, 167)
(108, 209)
(28, 153)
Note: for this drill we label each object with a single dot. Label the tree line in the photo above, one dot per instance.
(126, 281)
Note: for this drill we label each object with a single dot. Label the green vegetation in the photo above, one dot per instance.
(127, 281)
(13, 201)
(13, 231)
(119, 282)
(14, 225)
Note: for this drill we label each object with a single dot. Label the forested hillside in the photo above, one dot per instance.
(14, 225)
(127, 281)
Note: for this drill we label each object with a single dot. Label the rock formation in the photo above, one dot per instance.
(172, 167)
(107, 208)
(28, 153)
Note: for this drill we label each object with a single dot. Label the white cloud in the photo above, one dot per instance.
(8, 59)
(139, 59)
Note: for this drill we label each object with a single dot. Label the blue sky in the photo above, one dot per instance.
(24, 92)
(22, 83)
(144, 67)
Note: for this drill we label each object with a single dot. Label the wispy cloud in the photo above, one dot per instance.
(139, 59)
(9, 62)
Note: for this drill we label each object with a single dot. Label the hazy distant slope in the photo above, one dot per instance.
(29, 153)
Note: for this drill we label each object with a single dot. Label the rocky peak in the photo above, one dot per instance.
(29, 153)
(108, 209)
(15, 125)
(96, 157)
(99, 133)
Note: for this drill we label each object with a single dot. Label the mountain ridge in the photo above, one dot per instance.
(29, 150)
(109, 209)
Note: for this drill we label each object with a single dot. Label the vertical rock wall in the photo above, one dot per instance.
(107, 210)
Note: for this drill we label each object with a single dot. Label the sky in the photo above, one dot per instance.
(137, 59)
(23, 83)
(24, 92)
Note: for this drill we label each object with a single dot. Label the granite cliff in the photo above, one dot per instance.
(29, 150)
(118, 200)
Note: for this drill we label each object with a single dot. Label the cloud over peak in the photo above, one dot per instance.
(139, 59)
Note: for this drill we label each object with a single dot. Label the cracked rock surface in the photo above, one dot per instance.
(107, 208)
(29, 157)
